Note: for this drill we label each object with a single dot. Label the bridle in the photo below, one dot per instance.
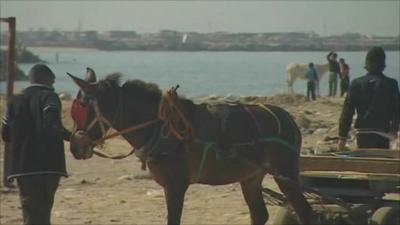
(169, 113)
(100, 119)
(79, 113)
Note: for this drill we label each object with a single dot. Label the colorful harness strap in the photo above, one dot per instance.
(278, 122)
(207, 147)
(282, 142)
(254, 120)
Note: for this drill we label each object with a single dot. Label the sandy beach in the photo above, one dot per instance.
(103, 191)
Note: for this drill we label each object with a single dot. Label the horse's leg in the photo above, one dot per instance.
(252, 192)
(174, 196)
(290, 89)
(293, 193)
(171, 173)
(289, 81)
(176, 184)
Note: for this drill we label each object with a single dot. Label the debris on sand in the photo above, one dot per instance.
(155, 193)
(302, 121)
(143, 177)
(280, 99)
(321, 131)
(126, 177)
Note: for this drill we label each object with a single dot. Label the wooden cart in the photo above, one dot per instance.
(356, 187)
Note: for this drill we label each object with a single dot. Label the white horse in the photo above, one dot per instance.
(298, 71)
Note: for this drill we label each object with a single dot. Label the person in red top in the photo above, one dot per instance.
(344, 77)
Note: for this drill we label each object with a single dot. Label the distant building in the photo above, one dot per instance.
(90, 35)
(193, 41)
(80, 35)
(120, 34)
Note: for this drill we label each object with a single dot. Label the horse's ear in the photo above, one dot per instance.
(90, 75)
(86, 87)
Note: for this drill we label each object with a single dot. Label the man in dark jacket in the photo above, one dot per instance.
(376, 99)
(36, 159)
(334, 73)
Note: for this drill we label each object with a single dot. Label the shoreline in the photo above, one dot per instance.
(55, 49)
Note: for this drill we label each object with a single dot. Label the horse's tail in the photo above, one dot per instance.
(297, 133)
(297, 138)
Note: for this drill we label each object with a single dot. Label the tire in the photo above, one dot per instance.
(386, 215)
(285, 216)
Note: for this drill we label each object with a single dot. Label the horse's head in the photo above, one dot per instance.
(89, 112)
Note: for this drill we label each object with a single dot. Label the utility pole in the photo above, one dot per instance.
(11, 62)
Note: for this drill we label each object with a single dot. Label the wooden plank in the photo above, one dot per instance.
(349, 175)
(11, 62)
(355, 164)
(369, 152)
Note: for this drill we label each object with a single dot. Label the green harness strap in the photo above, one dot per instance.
(282, 142)
(278, 122)
(207, 147)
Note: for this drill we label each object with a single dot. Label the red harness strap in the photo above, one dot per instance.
(79, 113)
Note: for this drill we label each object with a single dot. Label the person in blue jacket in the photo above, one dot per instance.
(312, 79)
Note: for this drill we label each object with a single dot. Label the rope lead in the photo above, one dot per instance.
(170, 111)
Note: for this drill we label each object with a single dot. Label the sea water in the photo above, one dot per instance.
(198, 73)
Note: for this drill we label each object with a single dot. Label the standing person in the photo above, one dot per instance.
(334, 72)
(344, 77)
(312, 79)
(36, 159)
(376, 98)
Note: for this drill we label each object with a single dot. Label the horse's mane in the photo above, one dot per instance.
(131, 87)
(148, 90)
(109, 82)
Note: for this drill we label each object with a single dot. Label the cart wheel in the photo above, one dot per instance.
(285, 216)
(386, 215)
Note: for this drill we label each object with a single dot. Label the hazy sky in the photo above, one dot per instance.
(323, 17)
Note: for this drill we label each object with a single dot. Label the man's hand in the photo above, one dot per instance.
(80, 137)
(341, 144)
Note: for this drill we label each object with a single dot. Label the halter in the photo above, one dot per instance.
(79, 114)
(100, 119)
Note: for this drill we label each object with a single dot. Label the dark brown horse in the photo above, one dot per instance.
(226, 143)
